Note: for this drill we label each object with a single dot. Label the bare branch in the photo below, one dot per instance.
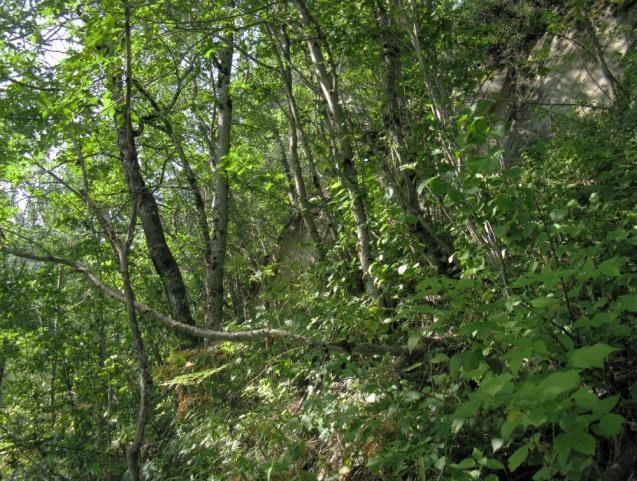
(215, 335)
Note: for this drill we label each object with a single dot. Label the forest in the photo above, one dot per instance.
(318, 240)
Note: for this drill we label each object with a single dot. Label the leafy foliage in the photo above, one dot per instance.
(502, 343)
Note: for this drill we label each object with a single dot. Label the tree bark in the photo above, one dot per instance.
(193, 185)
(301, 193)
(282, 51)
(285, 165)
(405, 187)
(145, 380)
(316, 181)
(161, 256)
(281, 42)
(344, 154)
(442, 110)
(219, 240)
(440, 104)
(3, 364)
(123, 250)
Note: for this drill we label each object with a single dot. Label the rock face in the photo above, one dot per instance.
(295, 251)
(573, 72)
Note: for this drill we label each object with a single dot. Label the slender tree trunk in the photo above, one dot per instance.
(316, 182)
(283, 50)
(54, 360)
(405, 185)
(285, 165)
(52, 382)
(316, 179)
(160, 254)
(237, 301)
(442, 110)
(440, 104)
(281, 43)
(101, 363)
(3, 365)
(162, 258)
(301, 193)
(344, 154)
(195, 190)
(142, 203)
(145, 380)
(222, 188)
(615, 85)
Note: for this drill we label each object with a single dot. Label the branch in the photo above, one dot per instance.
(214, 335)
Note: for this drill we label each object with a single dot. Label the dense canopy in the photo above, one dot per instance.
(318, 240)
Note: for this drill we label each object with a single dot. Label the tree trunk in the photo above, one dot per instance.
(139, 202)
(615, 85)
(159, 252)
(301, 193)
(442, 110)
(283, 57)
(285, 165)
(145, 380)
(404, 179)
(214, 317)
(344, 154)
(282, 52)
(3, 364)
(195, 190)
(316, 181)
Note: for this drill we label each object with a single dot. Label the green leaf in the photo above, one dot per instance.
(411, 396)
(440, 463)
(477, 454)
(583, 442)
(492, 385)
(628, 302)
(438, 186)
(439, 358)
(585, 399)
(610, 267)
(518, 457)
(605, 405)
(413, 341)
(466, 463)
(542, 475)
(467, 409)
(517, 355)
(558, 214)
(543, 302)
(514, 419)
(591, 356)
(610, 425)
(558, 383)
(562, 446)
(496, 443)
(494, 464)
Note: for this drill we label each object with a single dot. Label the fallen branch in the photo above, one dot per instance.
(211, 334)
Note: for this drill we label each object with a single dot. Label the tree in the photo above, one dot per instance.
(243, 240)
